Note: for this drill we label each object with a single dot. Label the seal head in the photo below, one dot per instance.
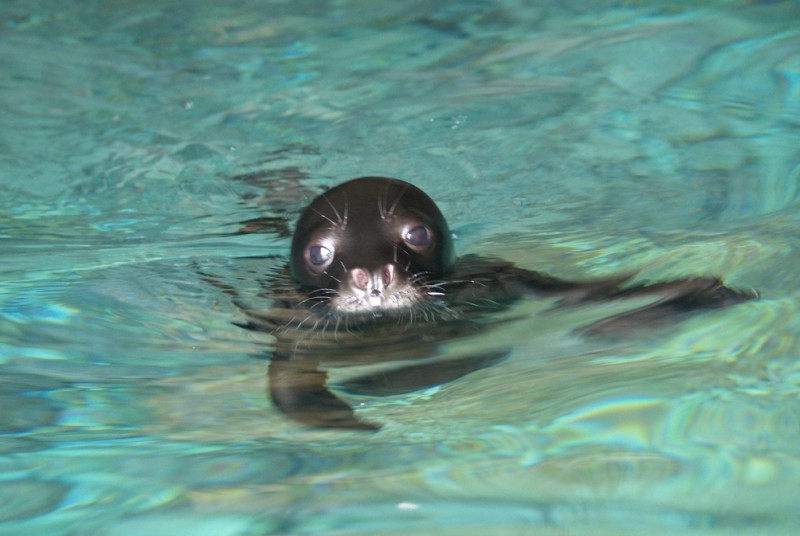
(371, 242)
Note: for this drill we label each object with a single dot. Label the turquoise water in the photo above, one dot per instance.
(577, 138)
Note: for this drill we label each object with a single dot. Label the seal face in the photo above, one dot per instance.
(371, 243)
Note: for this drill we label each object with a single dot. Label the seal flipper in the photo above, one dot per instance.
(502, 282)
(298, 390)
(412, 378)
(676, 298)
(568, 292)
(484, 278)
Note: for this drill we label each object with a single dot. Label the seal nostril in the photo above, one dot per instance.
(360, 278)
(387, 274)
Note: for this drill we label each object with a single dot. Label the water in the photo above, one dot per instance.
(579, 138)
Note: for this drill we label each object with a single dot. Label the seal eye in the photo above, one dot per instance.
(418, 237)
(319, 256)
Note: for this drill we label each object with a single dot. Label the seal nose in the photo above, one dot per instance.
(376, 281)
(360, 278)
(387, 274)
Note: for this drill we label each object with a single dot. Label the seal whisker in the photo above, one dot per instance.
(321, 215)
(381, 204)
(297, 328)
(336, 329)
(314, 300)
(419, 277)
(333, 276)
(397, 201)
(342, 221)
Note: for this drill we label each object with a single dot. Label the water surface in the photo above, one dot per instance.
(576, 138)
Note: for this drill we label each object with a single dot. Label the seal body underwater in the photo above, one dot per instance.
(373, 277)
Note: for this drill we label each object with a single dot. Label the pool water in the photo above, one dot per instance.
(577, 138)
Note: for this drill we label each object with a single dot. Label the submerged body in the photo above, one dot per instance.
(373, 277)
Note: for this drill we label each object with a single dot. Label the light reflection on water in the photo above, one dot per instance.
(575, 138)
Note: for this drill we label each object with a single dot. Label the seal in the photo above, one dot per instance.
(371, 241)
(373, 278)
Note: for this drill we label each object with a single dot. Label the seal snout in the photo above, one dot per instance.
(372, 285)
(373, 282)
(382, 288)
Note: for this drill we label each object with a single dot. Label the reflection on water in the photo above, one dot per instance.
(576, 138)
